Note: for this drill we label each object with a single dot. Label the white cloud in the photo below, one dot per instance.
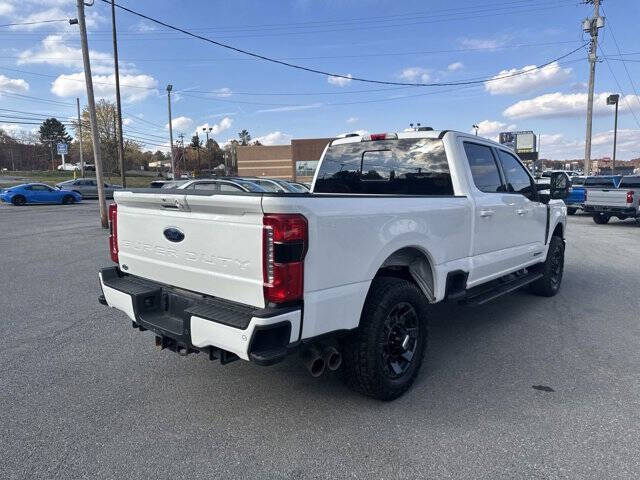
(358, 132)
(455, 66)
(340, 81)
(483, 43)
(54, 51)
(554, 105)
(628, 143)
(415, 74)
(6, 8)
(13, 129)
(13, 84)
(216, 128)
(515, 81)
(127, 121)
(143, 27)
(491, 128)
(133, 88)
(290, 108)
(180, 123)
(352, 119)
(223, 92)
(274, 138)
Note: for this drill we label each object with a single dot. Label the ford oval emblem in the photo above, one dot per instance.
(173, 234)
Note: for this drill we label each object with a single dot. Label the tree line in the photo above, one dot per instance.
(37, 150)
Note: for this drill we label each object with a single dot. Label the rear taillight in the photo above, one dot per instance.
(285, 242)
(379, 136)
(630, 196)
(113, 232)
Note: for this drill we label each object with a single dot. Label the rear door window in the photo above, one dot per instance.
(484, 168)
(206, 186)
(389, 167)
(599, 182)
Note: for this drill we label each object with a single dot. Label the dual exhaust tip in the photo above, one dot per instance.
(317, 358)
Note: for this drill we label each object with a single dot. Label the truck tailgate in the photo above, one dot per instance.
(610, 198)
(209, 244)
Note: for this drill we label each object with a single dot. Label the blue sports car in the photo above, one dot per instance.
(38, 193)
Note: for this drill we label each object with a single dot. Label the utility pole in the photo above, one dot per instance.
(80, 137)
(204, 129)
(118, 106)
(92, 113)
(613, 100)
(591, 25)
(173, 171)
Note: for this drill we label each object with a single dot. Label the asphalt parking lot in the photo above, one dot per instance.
(83, 395)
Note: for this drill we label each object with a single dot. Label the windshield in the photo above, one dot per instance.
(411, 166)
(577, 181)
(600, 182)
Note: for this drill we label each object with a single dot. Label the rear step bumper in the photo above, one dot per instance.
(186, 322)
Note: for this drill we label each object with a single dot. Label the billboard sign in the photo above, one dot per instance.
(508, 139)
(525, 142)
(63, 148)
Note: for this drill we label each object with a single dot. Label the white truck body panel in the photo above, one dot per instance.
(350, 236)
(221, 254)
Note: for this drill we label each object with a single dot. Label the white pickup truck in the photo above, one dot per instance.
(345, 273)
(622, 202)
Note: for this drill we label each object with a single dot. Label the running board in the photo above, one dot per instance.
(483, 294)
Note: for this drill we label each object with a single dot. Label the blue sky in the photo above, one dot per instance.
(408, 41)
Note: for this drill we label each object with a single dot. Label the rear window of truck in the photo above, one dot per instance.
(411, 166)
(597, 182)
(630, 182)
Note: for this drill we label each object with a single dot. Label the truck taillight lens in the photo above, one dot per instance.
(113, 231)
(630, 196)
(285, 241)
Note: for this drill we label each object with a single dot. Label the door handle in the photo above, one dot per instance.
(521, 211)
(486, 213)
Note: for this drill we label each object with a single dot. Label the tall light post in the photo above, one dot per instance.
(173, 171)
(476, 127)
(207, 131)
(613, 100)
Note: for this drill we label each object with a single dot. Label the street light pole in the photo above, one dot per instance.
(120, 142)
(613, 100)
(204, 129)
(476, 127)
(173, 171)
(92, 114)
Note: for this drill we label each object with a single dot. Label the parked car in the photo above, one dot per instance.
(222, 185)
(38, 193)
(622, 202)
(576, 197)
(298, 187)
(394, 222)
(88, 187)
(272, 184)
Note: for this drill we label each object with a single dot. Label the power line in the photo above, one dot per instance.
(333, 57)
(633, 86)
(31, 98)
(321, 72)
(624, 97)
(34, 23)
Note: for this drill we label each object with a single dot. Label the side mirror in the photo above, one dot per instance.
(560, 185)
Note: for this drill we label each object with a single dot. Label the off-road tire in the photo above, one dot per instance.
(367, 368)
(601, 219)
(552, 269)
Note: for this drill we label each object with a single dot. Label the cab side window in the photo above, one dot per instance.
(518, 180)
(484, 168)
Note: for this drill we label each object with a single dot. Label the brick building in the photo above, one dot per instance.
(297, 161)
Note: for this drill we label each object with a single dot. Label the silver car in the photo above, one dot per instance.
(88, 187)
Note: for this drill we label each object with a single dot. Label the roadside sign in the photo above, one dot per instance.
(63, 148)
